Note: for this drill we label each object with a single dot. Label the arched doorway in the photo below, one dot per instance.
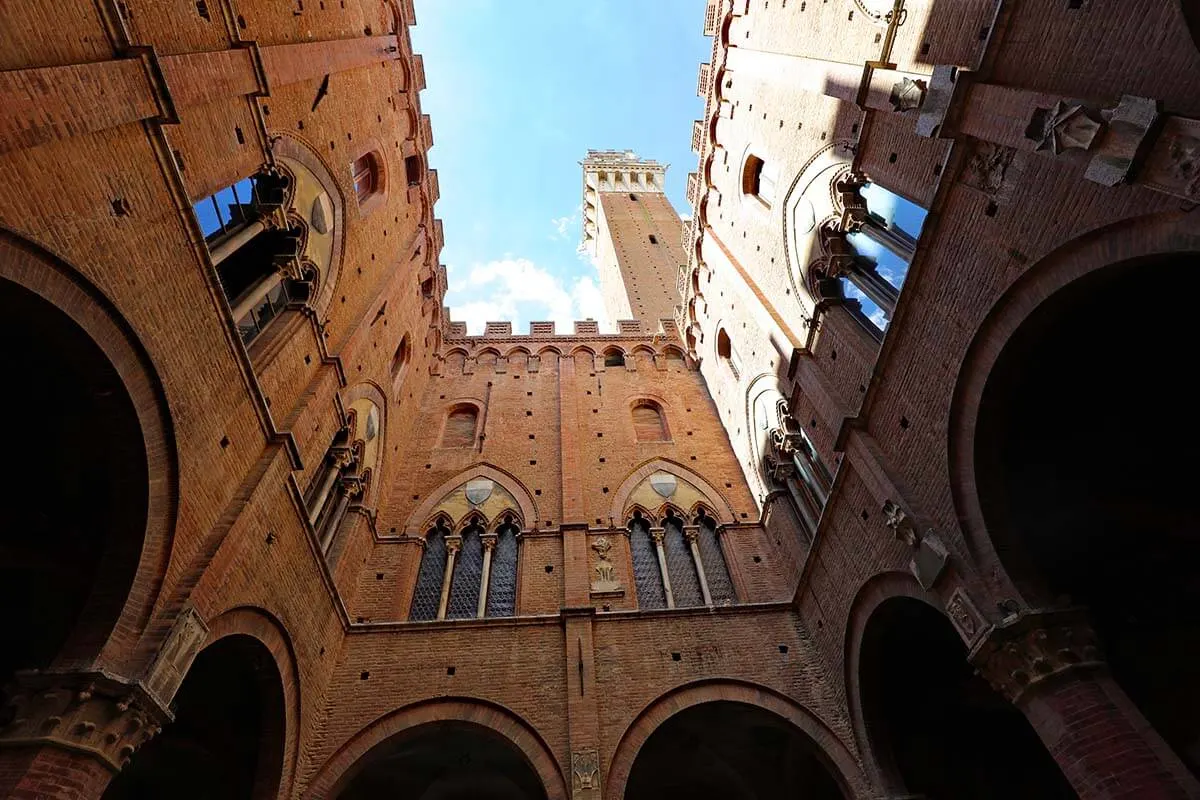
(732, 751)
(937, 728)
(450, 760)
(1085, 464)
(227, 739)
(72, 529)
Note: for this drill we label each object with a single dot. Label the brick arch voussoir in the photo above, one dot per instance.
(717, 501)
(32, 267)
(830, 749)
(873, 593)
(526, 513)
(1153, 235)
(332, 775)
(270, 632)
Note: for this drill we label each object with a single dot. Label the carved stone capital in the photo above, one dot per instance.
(1017, 656)
(93, 713)
(657, 535)
(341, 457)
(489, 541)
(453, 543)
(352, 485)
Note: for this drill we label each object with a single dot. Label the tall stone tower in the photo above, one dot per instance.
(634, 234)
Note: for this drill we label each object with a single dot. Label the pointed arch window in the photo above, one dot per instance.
(502, 580)
(428, 593)
(647, 573)
(468, 575)
(685, 578)
(614, 358)
(679, 565)
(460, 426)
(649, 422)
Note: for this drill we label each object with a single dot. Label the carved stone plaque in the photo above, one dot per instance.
(585, 773)
(176, 656)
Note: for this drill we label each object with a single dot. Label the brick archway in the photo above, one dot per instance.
(269, 631)
(494, 718)
(111, 642)
(840, 762)
(1144, 237)
(874, 593)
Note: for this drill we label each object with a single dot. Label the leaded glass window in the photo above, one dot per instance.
(468, 572)
(685, 583)
(646, 573)
(429, 579)
(720, 586)
(502, 583)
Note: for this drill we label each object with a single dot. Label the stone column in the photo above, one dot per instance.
(339, 460)
(235, 242)
(1048, 663)
(453, 544)
(351, 488)
(246, 303)
(657, 535)
(67, 734)
(691, 535)
(489, 545)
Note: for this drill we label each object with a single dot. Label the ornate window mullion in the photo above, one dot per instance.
(692, 534)
(657, 535)
(453, 544)
(489, 545)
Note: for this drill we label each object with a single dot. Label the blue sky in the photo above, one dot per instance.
(518, 90)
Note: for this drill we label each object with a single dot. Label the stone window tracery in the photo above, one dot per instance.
(338, 480)
(255, 246)
(679, 565)
(470, 574)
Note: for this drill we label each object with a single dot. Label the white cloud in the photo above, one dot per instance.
(563, 225)
(517, 290)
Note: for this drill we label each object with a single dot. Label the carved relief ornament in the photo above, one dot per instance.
(1036, 646)
(585, 773)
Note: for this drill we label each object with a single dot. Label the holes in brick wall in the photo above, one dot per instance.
(241, 137)
(865, 515)
(450, 671)
(692, 458)
(878, 38)
(601, 459)
(599, 435)
(812, 423)
(983, 33)
(854, 128)
(429, 466)
(533, 462)
(925, 49)
(307, 358)
(378, 576)
(729, 486)
(415, 497)
(758, 559)
(689, 433)
(527, 413)
(605, 490)
(224, 442)
(364, 675)
(595, 411)
(300, 124)
(529, 394)
(743, 515)
(676, 657)
(549, 567)
(892, 158)
(991, 210)
(120, 207)
(904, 422)
(833, 355)
(937, 169)
(202, 10)
(537, 492)
(242, 23)
(531, 436)
(783, 648)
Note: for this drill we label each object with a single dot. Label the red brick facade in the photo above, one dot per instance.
(314, 546)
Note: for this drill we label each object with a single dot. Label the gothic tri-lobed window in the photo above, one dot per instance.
(679, 565)
(469, 574)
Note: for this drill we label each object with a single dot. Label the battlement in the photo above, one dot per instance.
(588, 329)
